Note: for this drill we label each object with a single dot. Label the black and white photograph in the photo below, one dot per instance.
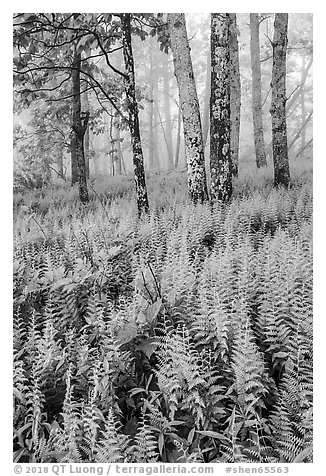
(162, 239)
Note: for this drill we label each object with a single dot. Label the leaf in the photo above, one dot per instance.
(161, 443)
(212, 434)
(281, 355)
(191, 435)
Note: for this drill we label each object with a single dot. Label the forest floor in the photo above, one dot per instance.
(183, 336)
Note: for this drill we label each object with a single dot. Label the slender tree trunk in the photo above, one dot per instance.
(303, 108)
(189, 107)
(257, 112)
(177, 146)
(138, 159)
(164, 135)
(112, 146)
(117, 144)
(235, 94)
(220, 154)
(206, 99)
(79, 125)
(60, 165)
(279, 132)
(167, 114)
(151, 109)
(85, 108)
(156, 157)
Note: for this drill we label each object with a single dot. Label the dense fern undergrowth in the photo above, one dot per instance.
(185, 336)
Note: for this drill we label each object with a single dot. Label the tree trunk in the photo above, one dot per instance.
(85, 109)
(220, 154)
(167, 114)
(60, 166)
(303, 108)
(279, 132)
(138, 159)
(177, 146)
(117, 144)
(151, 111)
(257, 112)
(189, 107)
(156, 157)
(206, 99)
(111, 146)
(73, 155)
(235, 94)
(79, 125)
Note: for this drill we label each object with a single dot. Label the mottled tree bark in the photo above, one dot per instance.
(167, 114)
(189, 104)
(257, 112)
(73, 156)
(220, 153)
(207, 98)
(279, 131)
(138, 159)
(79, 125)
(235, 94)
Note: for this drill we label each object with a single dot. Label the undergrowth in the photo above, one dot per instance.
(185, 336)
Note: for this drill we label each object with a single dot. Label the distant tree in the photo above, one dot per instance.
(151, 96)
(129, 80)
(278, 106)
(235, 93)
(220, 153)
(257, 113)
(189, 107)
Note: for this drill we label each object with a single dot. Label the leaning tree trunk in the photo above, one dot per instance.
(220, 153)
(79, 125)
(235, 94)
(257, 113)
(138, 159)
(278, 112)
(189, 107)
